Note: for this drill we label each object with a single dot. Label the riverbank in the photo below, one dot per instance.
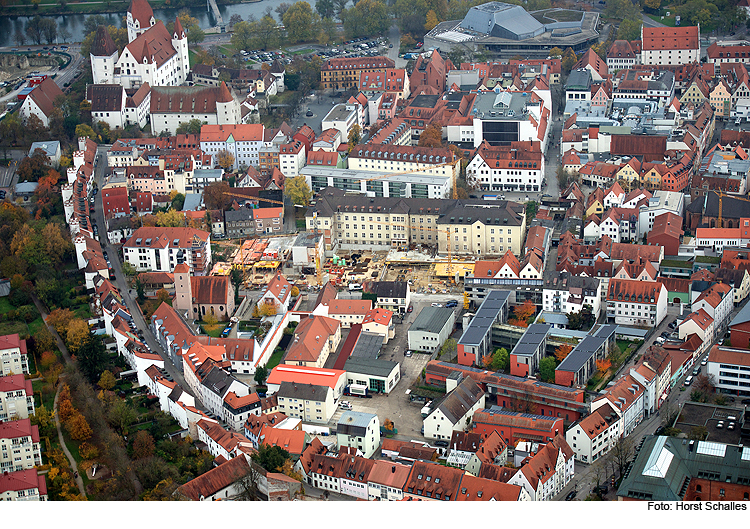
(101, 7)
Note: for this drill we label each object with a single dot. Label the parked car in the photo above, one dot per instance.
(410, 309)
(309, 113)
(452, 303)
(688, 380)
(437, 305)
(571, 495)
(704, 362)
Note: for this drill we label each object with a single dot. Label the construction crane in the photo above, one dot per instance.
(452, 163)
(721, 194)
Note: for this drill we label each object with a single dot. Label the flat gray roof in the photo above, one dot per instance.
(370, 366)
(485, 317)
(511, 104)
(431, 319)
(529, 343)
(581, 354)
(368, 346)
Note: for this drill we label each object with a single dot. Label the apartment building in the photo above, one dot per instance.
(161, 249)
(16, 398)
(518, 167)
(670, 46)
(14, 356)
(241, 141)
(343, 73)
(19, 446)
(633, 302)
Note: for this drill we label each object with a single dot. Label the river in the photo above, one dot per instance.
(74, 22)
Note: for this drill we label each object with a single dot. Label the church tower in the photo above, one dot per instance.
(180, 45)
(103, 57)
(140, 17)
(183, 292)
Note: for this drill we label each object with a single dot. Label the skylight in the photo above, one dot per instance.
(712, 449)
(659, 460)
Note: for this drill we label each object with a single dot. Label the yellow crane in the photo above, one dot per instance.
(721, 194)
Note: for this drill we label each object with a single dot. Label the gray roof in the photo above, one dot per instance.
(459, 401)
(239, 215)
(501, 106)
(565, 281)
(338, 113)
(390, 289)
(193, 202)
(211, 174)
(431, 319)
(50, 148)
(307, 239)
(218, 381)
(26, 187)
(303, 391)
(743, 316)
(368, 345)
(663, 467)
(534, 336)
(503, 20)
(354, 423)
(555, 318)
(731, 208)
(579, 80)
(370, 366)
(487, 314)
(581, 354)
(504, 213)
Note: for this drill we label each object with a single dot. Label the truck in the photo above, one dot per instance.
(357, 390)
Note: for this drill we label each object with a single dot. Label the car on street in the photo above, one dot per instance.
(704, 362)
(442, 442)
(571, 495)
(226, 332)
(407, 353)
(688, 380)
(309, 113)
(345, 404)
(452, 303)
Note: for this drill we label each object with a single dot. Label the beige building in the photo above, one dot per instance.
(721, 99)
(13, 355)
(314, 339)
(200, 296)
(16, 398)
(24, 485)
(481, 231)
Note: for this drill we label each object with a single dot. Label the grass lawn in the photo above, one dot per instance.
(667, 21)
(14, 327)
(73, 448)
(301, 225)
(36, 325)
(192, 56)
(5, 306)
(275, 359)
(83, 312)
(215, 333)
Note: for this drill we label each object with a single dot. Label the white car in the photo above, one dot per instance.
(346, 405)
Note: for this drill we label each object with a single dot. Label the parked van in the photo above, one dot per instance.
(688, 380)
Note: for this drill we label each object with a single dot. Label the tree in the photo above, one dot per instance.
(526, 311)
(265, 33)
(575, 321)
(140, 289)
(78, 333)
(367, 17)
(48, 28)
(432, 135)
(191, 26)
(325, 8)
(83, 130)
(121, 416)
(261, 374)
(556, 52)
(78, 427)
(242, 35)
(128, 269)
(171, 218)
(107, 381)
(19, 37)
(215, 195)
(621, 453)
(449, 348)
(267, 309)
(92, 357)
(431, 20)
(190, 127)
(143, 445)
(568, 60)
(34, 29)
(547, 367)
(162, 296)
(211, 321)
(705, 384)
(178, 201)
(234, 19)
(563, 351)
(388, 425)
(355, 135)
(60, 319)
(297, 190)
(299, 21)
(235, 276)
(270, 457)
(603, 365)
(629, 29)
(44, 419)
(225, 159)
(498, 361)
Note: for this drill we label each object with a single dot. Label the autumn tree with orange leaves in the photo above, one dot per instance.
(563, 351)
(603, 365)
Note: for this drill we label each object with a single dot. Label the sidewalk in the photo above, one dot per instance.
(71, 460)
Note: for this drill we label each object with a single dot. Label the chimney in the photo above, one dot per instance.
(393, 469)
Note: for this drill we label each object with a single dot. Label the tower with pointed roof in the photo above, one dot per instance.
(180, 44)
(103, 57)
(140, 17)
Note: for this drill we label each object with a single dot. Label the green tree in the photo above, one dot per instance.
(140, 289)
(325, 8)
(547, 367)
(367, 17)
(242, 36)
(190, 127)
(235, 277)
(128, 269)
(261, 374)
(449, 348)
(270, 457)
(34, 29)
(265, 33)
(297, 190)
(500, 360)
(355, 135)
(85, 131)
(121, 416)
(300, 21)
(92, 357)
(629, 29)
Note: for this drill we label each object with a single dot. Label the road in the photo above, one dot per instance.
(113, 252)
(651, 23)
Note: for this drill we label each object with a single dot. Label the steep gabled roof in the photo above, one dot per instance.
(103, 45)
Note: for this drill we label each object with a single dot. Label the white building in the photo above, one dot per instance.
(111, 104)
(594, 435)
(342, 117)
(431, 328)
(627, 398)
(241, 141)
(24, 485)
(670, 46)
(718, 302)
(309, 402)
(40, 102)
(565, 293)
(376, 183)
(455, 410)
(13, 355)
(387, 480)
(16, 398)
(19, 446)
(518, 167)
(633, 302)
(729, 368)
(171, 106)
(161, 249)
(360, 431)
(399, 158)
(548, 471)
(661, 202)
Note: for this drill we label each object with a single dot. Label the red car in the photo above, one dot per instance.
(420, 44)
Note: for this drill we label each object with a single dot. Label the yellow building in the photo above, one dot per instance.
(630, 172)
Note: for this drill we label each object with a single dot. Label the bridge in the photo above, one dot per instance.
(211, 6)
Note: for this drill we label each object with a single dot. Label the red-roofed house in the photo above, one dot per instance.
(387, 480)
(161, 249)
(548, 471)
(24, 485)
(513, 426)
(277, 293)
(718, 302)
(379, 321)
(19, 446)
(633, 302)
(41, 101)
(594, 435)
(474, 488)
(670, 46)
(315, 338)
(592, 62)
(115, 202)
(16, 398)
(627, 398)
(666, 232)
(14, 355)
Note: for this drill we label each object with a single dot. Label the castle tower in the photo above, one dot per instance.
(140, 17)
(227, 109)
(183, 292)
(180, 44)
(103, 57)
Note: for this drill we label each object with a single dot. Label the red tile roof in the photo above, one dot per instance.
(480, 489)
(11, 341)
(153, 45)
(304, 375)
(728, 355)
(240, 132)
(389, 474)
(16, 383)
(19, 428)
(23, 480)
(293, 441)
(434, 481)
(666, 38)
(44, 95)
(215, 479)
(210, 290)
(310, 337)
(645, 292)
(599, 420)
